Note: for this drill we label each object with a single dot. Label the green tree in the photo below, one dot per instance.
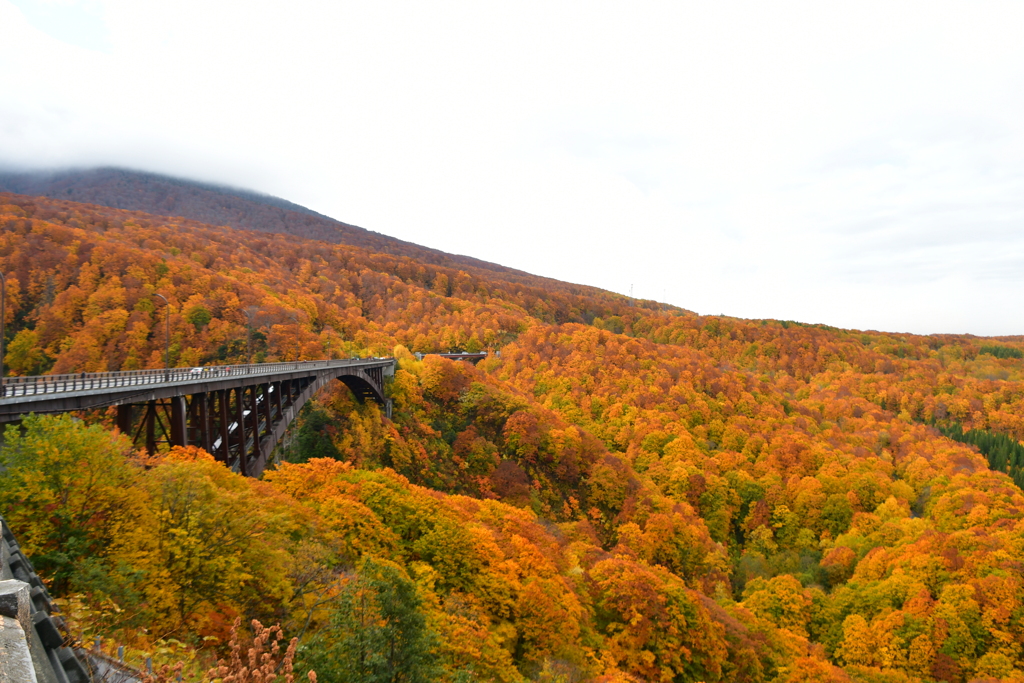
(836, 514)
(199, 316)
(70, 491)
(24, 355)
(313, 437)
(378, 633)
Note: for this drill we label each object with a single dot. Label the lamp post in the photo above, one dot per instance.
(167, 341)
(248, 335)
(328, 329)
(298, 340)
(3, 319)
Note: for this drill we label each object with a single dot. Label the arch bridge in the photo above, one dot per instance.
(237, 413)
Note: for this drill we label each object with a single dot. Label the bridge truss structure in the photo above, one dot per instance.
(236, 413)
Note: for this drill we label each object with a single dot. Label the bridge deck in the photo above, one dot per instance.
(87, 391)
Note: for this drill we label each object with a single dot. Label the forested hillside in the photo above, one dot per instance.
(627, 492)
(217, 205)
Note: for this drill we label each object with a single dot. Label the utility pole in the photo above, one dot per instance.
(167, 340)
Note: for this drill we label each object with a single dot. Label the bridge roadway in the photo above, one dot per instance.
(238, 413)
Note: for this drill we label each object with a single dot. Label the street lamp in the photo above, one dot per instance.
(248, 334)
(167, 342)
(298, 338)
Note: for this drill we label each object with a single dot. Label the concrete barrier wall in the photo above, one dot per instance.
(33, 635)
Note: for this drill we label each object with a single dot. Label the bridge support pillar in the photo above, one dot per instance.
(243, 457)
(179, 421)
(124, 419)
(277, 398)
(202, 418)
(254, 414)
(150, 421)
(222, 405)
(267, 410)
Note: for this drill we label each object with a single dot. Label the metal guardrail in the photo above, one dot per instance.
(16, 387)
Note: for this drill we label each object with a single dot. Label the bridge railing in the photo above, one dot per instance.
(91, 381)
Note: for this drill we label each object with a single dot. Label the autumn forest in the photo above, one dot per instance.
(621, 491)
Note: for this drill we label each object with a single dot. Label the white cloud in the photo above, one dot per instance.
(859, 165)
(76, 22)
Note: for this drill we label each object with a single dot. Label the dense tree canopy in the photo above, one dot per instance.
(625, 493)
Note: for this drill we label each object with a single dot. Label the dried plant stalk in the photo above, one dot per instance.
(259, 663)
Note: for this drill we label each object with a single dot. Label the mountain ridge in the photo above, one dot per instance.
(215, 204)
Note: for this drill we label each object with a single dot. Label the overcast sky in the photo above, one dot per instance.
(857, 164)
